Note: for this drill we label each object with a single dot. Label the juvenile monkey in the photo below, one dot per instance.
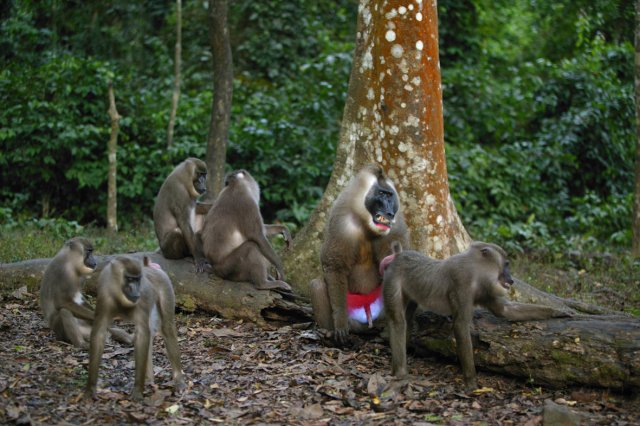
(234, 236)
(478, 276)
(176, 214)
(64, 308)
(363, 222)
(144, 295)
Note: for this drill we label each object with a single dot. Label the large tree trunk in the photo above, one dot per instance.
(222, 95)
(392, 116)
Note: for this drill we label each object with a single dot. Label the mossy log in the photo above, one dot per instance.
(239, 300)
(600, 350)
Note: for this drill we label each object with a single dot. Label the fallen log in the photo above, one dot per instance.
(236, 300)
(590, 350)
(600, 350)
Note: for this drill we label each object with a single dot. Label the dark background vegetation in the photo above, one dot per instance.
(538, 96)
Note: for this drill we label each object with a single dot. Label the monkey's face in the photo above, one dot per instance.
(381, 202)
(89, 260)
(200, 181)
(504, 278)
(131, 287)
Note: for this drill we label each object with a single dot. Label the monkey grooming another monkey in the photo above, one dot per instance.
(143, 294)
(176, 215)
(363, 222)
(234, 236)
(61, 300)
(478, 276)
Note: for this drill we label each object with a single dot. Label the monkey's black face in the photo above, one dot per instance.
(382, 203)
(504, 278)
(131, 287)
(89, 260)
(200, 182)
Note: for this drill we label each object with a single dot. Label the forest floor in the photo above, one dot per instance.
(240, 373)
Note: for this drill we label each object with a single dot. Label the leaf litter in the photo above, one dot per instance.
(241, 373)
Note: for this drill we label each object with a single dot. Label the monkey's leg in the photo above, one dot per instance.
(397, 339)
(141, 356)
(170, 336)
(320, 304)
(95, 352)
(461, 330)
(173, 245)
(68, 329)
(246, 263)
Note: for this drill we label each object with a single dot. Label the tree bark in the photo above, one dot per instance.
(112, 191)
(222, 95)
(392, 116)
(176, 83)
(635, 223)
(237, 300)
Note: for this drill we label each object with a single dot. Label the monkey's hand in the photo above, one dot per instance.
(341, 335)
(202, 265)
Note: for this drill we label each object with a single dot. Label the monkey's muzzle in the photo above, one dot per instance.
(382, 222)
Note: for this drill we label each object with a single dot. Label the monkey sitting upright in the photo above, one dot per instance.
(363, 221)
(176, 216)
(143, 294)
(61, 300)
(478, 276)
(234, 237)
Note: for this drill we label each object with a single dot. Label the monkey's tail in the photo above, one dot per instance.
(396, 247)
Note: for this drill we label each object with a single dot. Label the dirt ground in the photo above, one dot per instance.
(239, 373)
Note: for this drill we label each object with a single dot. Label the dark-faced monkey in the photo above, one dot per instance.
(363, 222)
(234, 236)
(142, 294)
(478, 276)
(174, 215)
(66, 311)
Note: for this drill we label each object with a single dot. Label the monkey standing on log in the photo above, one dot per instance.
(144, 295)
(176, 214)
(363, 222)
(478, 276)
(234, 236)
(61, 299)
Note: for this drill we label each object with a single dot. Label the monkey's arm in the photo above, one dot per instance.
(271, 230)
(187, 231)
(79, 311)
(337, 286)
(268, 252)
(514, 311)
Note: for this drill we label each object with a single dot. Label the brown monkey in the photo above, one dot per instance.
(478, 276)
(363, 222)
(176, 216)
(234, 236)
(61, 300)
(144, 295)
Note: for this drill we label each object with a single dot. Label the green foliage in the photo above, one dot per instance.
(538, 101)
(545, 156)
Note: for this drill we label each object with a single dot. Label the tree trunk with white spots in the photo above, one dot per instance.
(392, 116)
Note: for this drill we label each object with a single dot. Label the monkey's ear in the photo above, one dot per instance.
(484, 251)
